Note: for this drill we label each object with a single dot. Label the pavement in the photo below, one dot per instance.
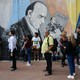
(34, 72)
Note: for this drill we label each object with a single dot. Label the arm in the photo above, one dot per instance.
(13, 42)
(24, 45)
(12, 46)
(39, 40)
(51, 43)
(50, 47)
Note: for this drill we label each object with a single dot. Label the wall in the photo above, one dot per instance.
(66, 13)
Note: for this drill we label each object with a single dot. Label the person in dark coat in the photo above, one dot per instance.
(71, 51)
(63, 43)
(78, 45)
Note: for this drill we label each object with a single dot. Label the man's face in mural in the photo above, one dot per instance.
(38, 15)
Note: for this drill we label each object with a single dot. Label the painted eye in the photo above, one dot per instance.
(41, 16)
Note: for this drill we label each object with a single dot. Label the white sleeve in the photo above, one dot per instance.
(33, 39)
(12, 44)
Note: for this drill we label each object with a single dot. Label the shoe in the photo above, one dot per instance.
(37, 60)
(74, 74)
(48, 74)
(79, 66)
(28, 64)
(76, 65)
(34, 60)
(65, 64)
(70, 77)
(13, 69)
(62, 65)
(44, 70)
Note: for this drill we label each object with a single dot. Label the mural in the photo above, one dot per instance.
(29, 16)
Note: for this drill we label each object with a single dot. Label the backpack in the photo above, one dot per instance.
(54, 48)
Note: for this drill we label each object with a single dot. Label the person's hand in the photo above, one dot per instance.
(11, 54)
(64, 47)
(22, 48)
(47, 51)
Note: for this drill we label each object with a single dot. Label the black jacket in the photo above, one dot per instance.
(62, 45)
(21, 28)
(78, 39)
(70, 49)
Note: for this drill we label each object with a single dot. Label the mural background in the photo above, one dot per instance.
(11, 11)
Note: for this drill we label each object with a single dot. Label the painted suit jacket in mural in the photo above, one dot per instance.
(22, 28)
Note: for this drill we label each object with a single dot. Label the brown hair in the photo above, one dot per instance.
(36, 34)
(64, 35)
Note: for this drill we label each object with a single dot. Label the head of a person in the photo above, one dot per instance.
(78, 29)
(11, 32)
(53, 20)
(47, 33)
(36, 34)
(29, 37)
(72, 40)
(36, 13)
(24, 37)
(63, 37)
(64, 33)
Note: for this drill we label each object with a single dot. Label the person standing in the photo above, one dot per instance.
(12, 48)
(63, 43)
(71, 52)
(0, 46)
(78, 45)
(27, 46)
(36, 46)
(47, 45)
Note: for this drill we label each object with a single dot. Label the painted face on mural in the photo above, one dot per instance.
(38, 15)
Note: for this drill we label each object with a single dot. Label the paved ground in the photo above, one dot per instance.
(35, 72)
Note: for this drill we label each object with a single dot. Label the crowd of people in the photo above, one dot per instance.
(28, 30)
(69, 48)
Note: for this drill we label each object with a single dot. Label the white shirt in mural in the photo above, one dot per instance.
(36, 41)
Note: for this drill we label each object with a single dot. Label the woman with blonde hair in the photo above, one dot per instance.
(71, 50)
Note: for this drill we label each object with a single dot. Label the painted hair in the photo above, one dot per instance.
(31, 6)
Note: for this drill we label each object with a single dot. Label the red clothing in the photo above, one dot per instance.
(28, 44)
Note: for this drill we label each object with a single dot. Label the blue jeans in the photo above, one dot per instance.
(71, 64)
(78, 54)
(78, 49)
(28, 52)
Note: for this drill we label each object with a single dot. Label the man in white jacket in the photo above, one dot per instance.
(12, 48)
